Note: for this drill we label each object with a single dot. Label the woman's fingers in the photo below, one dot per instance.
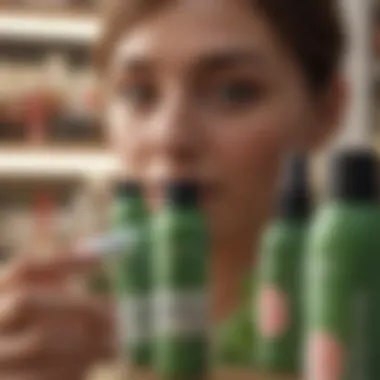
(51, 304)
(64, 336)
(52, 270)
(85, 323)
(15, 309)
(29, 305)
(66, 372)
(26, 306)
(69, 264)
(22, 348)
(55, 345)
(48, 333)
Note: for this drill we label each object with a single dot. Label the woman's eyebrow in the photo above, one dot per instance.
(204, 62)
(219, 60)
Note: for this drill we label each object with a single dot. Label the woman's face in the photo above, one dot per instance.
(205, 89)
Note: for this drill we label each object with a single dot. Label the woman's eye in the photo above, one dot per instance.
(139, 95)
(238, 93)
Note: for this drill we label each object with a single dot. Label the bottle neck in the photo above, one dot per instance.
(354, 203)
(132, 207)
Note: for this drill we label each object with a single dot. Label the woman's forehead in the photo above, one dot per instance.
(189, 32)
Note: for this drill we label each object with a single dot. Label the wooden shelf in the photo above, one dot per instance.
(45, 27)
(233, 374)
(46, 12)
(55, 163)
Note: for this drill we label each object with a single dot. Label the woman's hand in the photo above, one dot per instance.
(47, 331)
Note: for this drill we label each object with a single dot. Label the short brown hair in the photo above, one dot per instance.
(311, 28)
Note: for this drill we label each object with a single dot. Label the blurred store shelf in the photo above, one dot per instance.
(48, 12)
(376, 72)
(54, 27)
(55, 163)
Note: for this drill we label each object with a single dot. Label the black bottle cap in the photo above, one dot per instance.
(128, 188)
(295, 197)
(354, 176)
(183, 193)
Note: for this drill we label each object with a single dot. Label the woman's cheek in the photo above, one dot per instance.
(249, 165)
(252, 161)
(126, 140)
(118, 129)
(252, 150)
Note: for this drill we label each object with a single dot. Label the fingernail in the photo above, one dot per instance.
(8, 307)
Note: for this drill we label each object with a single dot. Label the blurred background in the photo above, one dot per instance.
(55, 170)
(54, 166)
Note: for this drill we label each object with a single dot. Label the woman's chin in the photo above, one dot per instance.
(154, 203)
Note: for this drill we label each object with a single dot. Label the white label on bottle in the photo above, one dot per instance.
(359, 355)
(134, 319)
(182, 313)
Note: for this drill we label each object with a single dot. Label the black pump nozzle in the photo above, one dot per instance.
(128, 188)
(183, 193)
(295, 195)
(354, 175)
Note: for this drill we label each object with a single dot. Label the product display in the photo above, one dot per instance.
(80, 120)
(132, 276)
(48, 102)
(32, 220)
(278, 303)
(342, 283)
(50, 4)
(12, 123)
(181, 265)
(312, 302)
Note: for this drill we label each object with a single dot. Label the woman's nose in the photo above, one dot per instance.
(175, 134)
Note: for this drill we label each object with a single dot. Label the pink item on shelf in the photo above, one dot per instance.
(36, 111)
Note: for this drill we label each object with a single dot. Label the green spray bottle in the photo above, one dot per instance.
(278, 299)
(133, 277)
(181, 262)
(342, 286)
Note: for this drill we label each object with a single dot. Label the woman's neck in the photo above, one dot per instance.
(232, 263)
